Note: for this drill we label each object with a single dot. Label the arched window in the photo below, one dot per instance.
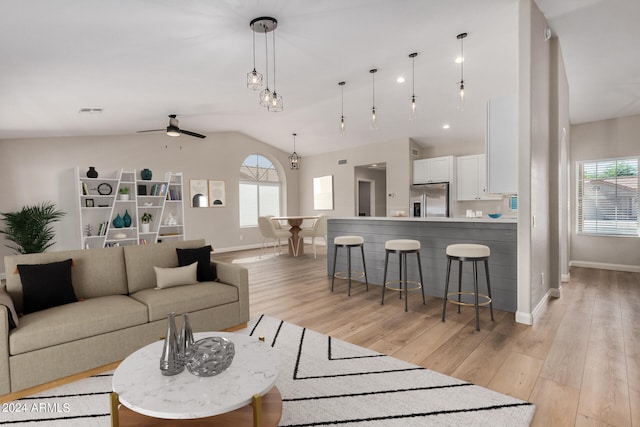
(260, 190)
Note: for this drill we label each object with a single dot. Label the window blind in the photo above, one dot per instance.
(607, 197)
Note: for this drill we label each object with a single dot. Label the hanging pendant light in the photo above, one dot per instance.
(254, 78)
(265, 25)
(461, 37)
(294, 158)
(343, 129)
(374, 123)
(275, 105)
(412, 114)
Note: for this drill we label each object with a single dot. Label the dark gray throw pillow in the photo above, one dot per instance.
(206, 272)
(46, 285)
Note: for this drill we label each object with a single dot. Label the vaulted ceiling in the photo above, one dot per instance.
(141, 60)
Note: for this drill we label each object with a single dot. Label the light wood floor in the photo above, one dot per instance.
(579, 363)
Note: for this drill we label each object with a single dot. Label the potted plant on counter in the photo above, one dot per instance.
(145, 222)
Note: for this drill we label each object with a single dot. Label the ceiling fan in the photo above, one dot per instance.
(173, 129)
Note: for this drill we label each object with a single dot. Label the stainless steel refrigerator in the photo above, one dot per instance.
(433, 200)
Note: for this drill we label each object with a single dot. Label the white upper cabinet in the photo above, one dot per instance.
(471, 178)
(502, 145)
(437, 169)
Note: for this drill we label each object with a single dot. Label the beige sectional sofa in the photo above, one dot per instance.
(119, 310)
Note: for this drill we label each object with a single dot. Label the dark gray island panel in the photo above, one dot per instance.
(434, 237)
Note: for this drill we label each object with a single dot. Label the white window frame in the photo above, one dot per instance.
(600, 213)
(260, 182)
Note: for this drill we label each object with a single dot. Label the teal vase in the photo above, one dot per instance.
(146, 174)
(126, 219)
(118, 222)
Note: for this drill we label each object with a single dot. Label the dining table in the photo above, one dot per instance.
(296, 246)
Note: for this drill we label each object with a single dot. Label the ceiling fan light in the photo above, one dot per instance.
(173, 131)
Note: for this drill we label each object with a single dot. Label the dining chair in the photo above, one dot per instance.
(269, 232)
(319, 229)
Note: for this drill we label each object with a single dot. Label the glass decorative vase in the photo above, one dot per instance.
(186, 334)
(171, 361)
(209, 356)
(126, 218)
(118, 222)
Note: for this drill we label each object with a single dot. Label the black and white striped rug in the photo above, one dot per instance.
(323, 382)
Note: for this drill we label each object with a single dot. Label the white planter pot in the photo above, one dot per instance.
(124, 197)
(144, 228)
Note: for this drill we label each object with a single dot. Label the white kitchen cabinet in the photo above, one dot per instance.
(472, 178)
(502, 145)
(436, 169)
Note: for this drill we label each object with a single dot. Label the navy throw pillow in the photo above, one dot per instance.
(46, 285)
(206, 272)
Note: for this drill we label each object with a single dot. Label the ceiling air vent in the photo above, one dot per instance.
(342, 162)
(414, 152)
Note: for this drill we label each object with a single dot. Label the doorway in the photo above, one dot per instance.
(366, 197)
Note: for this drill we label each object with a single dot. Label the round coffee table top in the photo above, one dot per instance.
(142, 388)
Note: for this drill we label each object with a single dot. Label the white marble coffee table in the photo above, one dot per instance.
(141, 387)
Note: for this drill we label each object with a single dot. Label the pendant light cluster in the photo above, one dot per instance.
(271, 100)
(294, 158)
(413, 104)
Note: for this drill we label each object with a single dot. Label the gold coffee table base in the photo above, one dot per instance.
(265, 411)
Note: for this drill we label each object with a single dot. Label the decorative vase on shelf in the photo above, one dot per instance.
(126, 219)
(118, 222)
(146, 174)
(92, 172)
(171, 361)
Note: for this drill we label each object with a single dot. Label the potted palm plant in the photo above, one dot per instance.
(30, 229)
(145, 222)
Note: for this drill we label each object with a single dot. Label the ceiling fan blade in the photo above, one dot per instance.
(150, 130)
(197, 135)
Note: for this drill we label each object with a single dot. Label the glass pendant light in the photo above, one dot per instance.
(254, 78)
(294, 158)
(265, 94)
(275, 104)
(374, 122)
(461, 37)
(412, 114)
(343, 129)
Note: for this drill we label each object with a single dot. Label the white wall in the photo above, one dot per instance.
(604, 139)
(35, 170)
(394, 153)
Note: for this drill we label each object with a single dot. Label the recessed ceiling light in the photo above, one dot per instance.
(459, 60)
(400, 79)
(446, 126)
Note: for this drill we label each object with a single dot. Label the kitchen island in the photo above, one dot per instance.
(434, 234)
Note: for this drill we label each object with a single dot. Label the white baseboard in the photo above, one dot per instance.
(565, 278)
(555, 292)
(606, 266)
(525, 318)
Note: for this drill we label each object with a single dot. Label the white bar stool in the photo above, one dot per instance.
(402, 247)
(468, 252)
(348, 242)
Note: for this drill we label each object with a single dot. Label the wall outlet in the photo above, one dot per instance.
(241, 237)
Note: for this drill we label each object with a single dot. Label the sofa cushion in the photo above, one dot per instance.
(95, 273)
(176, 276)
(140, 260)
(75, 321)
(46, 285)
(206, 272)
(186, 299)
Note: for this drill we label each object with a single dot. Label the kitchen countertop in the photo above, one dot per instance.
(502, 219)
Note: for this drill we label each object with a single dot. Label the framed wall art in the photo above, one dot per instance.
(217, 194)
(198, 193)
